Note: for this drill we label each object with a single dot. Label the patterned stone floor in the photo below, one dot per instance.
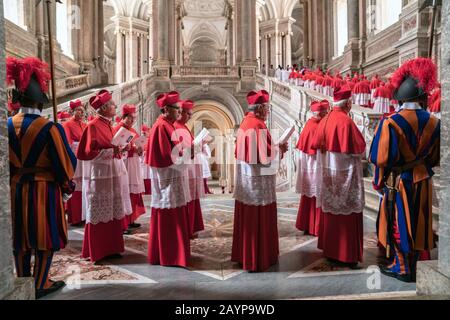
(302, 271)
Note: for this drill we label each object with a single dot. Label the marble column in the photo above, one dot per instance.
(258, 46)
(131, 39)
(230, 47)
(353, 19)
(248, 28)
(433, 277)
(120, 56)
(306, 53)
(161, 39)
(362, 32)
(10, 287)
(246, 10)
(352, 50)
(163, 30)
(288, 48)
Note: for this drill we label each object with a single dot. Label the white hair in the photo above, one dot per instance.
(341, 103)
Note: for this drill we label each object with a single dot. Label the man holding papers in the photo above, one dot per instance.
(340, 188)
(74, 130)
(106, 199)
(255, 234)
(309, 213)
(169, 242)
(133, 165)
(194, 168)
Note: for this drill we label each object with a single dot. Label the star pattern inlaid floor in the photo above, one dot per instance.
(211, 274)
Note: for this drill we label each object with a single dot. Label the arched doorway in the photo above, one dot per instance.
(215, 117)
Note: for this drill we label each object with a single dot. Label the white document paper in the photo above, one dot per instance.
(141, 142)
(286, 135)
(201, 136)
(122, 137)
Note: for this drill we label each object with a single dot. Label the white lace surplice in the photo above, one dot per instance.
(382, 105)
(340, 191)
(170, 187)
(145, 168)
(255, 184)
(106, 194)
(135, 178)
(307, 175)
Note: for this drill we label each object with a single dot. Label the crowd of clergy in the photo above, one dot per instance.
(72, 172)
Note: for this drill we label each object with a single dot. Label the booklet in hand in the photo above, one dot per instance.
(122, 137)
(286, 135)
(141, 142)
(201, 136)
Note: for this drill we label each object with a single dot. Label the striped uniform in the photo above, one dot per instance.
(401, 138)
(42, 164)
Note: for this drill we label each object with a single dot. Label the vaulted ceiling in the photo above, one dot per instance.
(277, 9)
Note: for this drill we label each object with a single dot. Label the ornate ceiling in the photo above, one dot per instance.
(205, 8)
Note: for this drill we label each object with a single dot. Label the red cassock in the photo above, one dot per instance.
(255, 234)
(146, 173)
(169, 240)
(74, 130)
(340, 192)
(135, 178)
(309, 214)
(106, 198)
(195, 179)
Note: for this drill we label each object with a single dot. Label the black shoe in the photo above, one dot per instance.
(134, 225)
(388, 272)
(114, 256)
(55, 287)
(354, 266)
(127, 232)
(78, 225)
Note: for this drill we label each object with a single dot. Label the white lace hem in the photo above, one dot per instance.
(307, 175)
(341, 186)
(135, 178)
(105, 198)
(253, 188)
(170, 187)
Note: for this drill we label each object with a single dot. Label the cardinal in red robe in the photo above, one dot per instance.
(340, 149)
(106, 199)
(309, 213)
(146, 169)
(255, 234)
(133, 163)
(194, 169)
(74, 130)
(169, 240)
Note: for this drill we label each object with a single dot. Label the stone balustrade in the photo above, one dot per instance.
(72, 84)
(296, 100)
(136, 92)
(209, 71)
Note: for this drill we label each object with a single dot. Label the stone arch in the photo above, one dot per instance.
(214, 112)
(230, 104)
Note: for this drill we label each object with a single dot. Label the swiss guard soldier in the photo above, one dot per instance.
(405, 148)
(42, 166)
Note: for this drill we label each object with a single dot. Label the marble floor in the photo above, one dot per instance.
(302, 272)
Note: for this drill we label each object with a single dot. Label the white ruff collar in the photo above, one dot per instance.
(30, 111)
(411, 106)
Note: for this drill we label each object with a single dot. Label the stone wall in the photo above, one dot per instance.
(6, 269)
(10, 288)
(444, 218)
